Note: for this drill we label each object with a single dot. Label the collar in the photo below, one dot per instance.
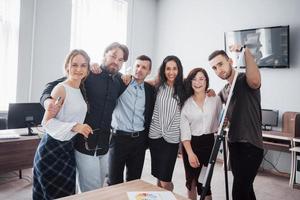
(136, 85)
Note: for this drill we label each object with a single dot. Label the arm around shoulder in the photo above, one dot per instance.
(57, 93)
(48, 89)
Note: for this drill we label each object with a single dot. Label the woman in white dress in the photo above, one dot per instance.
(54, 163)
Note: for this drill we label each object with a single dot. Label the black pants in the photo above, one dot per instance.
(245, 160)
(128, 151)
(202, 147)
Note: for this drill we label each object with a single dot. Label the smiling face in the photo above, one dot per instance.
(171, 72)
(199, 83)
(77, 68)
(113, 60)
(221, 66)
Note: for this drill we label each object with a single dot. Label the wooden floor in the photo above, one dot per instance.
(267, 186)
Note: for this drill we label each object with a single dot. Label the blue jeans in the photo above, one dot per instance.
(91, 170)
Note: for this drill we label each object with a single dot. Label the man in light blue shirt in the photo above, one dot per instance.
(130, 122)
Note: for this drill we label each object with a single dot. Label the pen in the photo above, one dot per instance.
(57, 100)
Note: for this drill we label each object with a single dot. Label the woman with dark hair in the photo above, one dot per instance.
(165, 126)
(198, 123)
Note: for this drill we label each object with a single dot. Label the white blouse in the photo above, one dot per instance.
(72, 111)
(195, 121)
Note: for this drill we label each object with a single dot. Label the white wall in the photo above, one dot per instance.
(44, 43)
(45, 40)
(192, 29)
(141, 29)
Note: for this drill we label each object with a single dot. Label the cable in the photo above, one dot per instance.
(14, 177)
(272, 165)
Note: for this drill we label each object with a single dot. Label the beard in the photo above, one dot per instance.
(112, 68)
(227, 75)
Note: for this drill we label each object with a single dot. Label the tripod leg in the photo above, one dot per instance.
(210, 166)
(225, 167)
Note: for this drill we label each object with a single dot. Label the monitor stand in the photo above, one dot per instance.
(30, 131)
(266, 128)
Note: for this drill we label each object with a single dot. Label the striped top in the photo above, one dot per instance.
(166, 116)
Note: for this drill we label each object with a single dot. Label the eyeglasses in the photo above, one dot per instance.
(86, 143)
(40, 129)
(114, 57)
(198, 79)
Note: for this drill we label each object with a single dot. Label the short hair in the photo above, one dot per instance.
(116, 45)
(216, 53)
(145, 58)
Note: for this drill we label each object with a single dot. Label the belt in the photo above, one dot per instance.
(129, 134)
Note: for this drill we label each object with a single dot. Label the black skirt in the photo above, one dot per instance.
(163, 158)
(54, 169)
(202, 147)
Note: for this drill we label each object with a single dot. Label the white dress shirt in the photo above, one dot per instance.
(195, 121)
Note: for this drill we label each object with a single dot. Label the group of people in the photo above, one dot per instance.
(97, 123)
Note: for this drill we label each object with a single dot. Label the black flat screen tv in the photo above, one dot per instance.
(269, 46)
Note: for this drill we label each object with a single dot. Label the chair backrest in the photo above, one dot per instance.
(291, 123)
(3, 123)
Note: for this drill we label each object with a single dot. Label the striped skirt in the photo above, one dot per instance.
(54, 169)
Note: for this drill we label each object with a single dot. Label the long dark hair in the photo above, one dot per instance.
(188, 81)
(178, 84)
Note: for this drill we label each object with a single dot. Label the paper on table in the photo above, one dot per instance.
(9, 134)
(151, 195)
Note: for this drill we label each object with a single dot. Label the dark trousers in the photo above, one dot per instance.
(128, 151)
(245, 160)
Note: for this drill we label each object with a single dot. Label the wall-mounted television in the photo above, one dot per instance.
(269, 45)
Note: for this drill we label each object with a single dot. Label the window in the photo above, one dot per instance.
(96, 24)
(9, 39)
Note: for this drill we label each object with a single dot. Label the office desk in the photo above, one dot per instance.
(17, 154)
(280, 141)
(277, 140)
(118, 191)
(294, 150)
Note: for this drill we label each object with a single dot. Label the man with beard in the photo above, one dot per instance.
(102, 91)
(244, 116)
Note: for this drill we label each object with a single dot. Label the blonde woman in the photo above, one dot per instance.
(54, 163)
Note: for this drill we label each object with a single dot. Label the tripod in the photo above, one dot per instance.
(221, 138)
